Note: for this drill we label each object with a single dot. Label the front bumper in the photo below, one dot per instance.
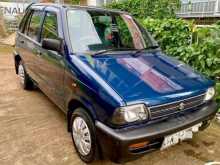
(115, 142)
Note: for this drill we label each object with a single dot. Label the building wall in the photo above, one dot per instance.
(91, 2)
(199, 8)
(202, 11)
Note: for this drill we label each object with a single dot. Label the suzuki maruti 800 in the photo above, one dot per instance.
(123, 97)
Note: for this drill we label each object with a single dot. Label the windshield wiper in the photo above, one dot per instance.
(136, 53)
(109, 50)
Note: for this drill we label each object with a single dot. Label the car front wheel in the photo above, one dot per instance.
(83, 135)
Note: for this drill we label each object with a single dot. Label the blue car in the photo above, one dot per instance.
(122, 96)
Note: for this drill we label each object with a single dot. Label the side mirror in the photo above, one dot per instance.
(52, 44)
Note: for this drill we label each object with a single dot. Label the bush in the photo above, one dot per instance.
(205, 55)
(174, 37)
(75, 2)
(148, 8)
(170, 33)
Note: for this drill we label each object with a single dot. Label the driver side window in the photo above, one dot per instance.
(50, 28)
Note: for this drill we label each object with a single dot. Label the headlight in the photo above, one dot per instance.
(129, 114)
(210, 93)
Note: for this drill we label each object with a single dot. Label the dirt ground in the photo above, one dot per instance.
(33, 131)
(9, 40)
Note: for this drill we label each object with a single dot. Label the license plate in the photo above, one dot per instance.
(177, 137)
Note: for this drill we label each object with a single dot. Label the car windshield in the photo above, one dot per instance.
(101, 30)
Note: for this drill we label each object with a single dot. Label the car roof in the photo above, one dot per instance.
(76, 7)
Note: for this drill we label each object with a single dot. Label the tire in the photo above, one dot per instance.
(25, 80)
(204, 126)
(83, 119)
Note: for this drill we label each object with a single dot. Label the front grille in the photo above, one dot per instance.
(165, 110)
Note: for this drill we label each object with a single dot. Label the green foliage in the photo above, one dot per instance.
(170, 33)
(217, 97)
(174, 37)
(75, 2)
(205, 55)
(147, 8)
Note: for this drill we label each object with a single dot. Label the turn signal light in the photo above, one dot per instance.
(138, 145)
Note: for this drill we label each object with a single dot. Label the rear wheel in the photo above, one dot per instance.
(25, 80)
(83, 135)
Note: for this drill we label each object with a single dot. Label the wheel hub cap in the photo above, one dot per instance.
(21, 73)
(81, 136)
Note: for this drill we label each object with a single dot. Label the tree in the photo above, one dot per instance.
(148, 8)
(75, 2)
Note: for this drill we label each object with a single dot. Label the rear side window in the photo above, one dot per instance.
(34, 25)
(50, 29)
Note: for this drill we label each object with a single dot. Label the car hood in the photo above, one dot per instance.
(151, 77)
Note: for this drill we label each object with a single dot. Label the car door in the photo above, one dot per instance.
(51, 65)
(28, 42)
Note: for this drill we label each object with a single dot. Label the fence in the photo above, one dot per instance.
(209, 8)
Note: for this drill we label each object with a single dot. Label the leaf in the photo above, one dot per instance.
(216, 72)
(209, 62)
